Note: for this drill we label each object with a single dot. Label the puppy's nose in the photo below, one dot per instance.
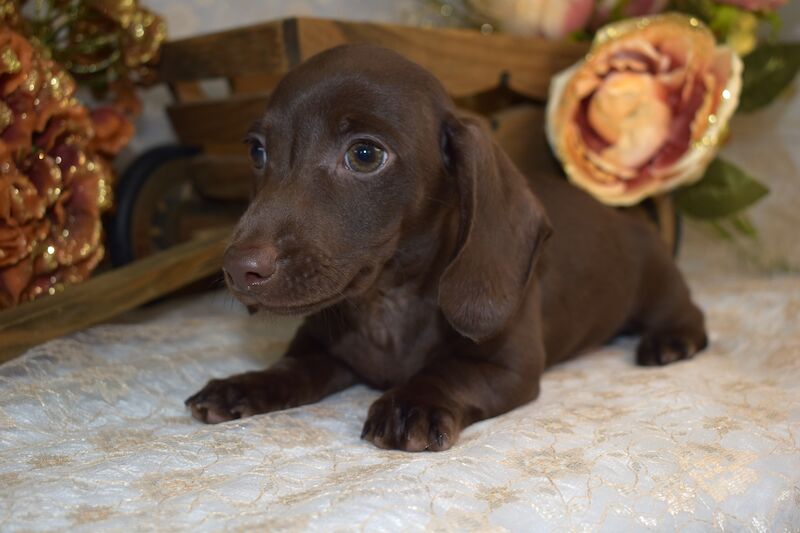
(250, 267)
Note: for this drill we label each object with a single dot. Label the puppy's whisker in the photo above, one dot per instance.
(435, 200)
(217, 281)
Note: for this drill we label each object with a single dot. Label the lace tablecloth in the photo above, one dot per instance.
(94, 435)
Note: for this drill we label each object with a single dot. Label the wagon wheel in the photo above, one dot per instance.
(160, 206)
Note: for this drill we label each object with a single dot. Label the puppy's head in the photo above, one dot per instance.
(358, 151)
(344, 154)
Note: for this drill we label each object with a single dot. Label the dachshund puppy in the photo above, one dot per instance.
(428, 266)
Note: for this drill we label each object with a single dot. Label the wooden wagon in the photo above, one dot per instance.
(176, 203)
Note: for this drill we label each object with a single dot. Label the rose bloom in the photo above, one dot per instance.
(643, 113)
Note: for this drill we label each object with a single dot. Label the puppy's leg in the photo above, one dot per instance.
(306, 374)
(429, 411)
(672, 326)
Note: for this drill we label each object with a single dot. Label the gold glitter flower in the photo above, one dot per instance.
(105, 44)
(54, 180)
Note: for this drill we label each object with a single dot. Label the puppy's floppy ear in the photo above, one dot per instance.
(501, 230)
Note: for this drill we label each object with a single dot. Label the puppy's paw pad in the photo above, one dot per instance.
(663, 349)
(410, 425)
(212, 404)
(236, 397)
(211, 413)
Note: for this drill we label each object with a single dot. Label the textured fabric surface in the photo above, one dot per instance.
(94, 435)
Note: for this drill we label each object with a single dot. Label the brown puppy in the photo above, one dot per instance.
(428, 266)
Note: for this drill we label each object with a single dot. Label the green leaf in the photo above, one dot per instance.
(768, 70)
(724, 20)
(720, 229)
(742, 223)
(723, 191)
(619, 9)
(581, 36)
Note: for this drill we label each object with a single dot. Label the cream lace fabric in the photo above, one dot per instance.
(94, 435)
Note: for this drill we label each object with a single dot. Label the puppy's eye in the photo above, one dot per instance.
(364, 157)
(258, 154)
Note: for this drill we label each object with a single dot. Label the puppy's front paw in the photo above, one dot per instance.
(664, 348)
(402, 422)
(239, 396)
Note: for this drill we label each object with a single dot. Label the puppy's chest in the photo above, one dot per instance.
(392, 337)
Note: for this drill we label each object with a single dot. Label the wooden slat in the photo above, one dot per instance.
(665, 214)
(187, 91)
(228, 177)
(225, 122)
(218, 121)
(255, 83)
(231, 53)
(466, 61)
(110, 294)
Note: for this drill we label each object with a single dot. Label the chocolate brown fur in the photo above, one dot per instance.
(446, 278)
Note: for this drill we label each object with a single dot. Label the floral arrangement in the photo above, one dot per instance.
(106, 45)
(55, 173)
(647, 110)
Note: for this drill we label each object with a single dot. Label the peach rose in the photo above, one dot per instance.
(644, 112)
